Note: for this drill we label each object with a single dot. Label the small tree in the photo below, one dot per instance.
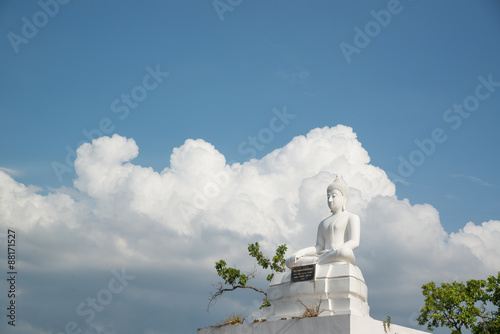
(460, 305)
(236, 279)
(490, 323)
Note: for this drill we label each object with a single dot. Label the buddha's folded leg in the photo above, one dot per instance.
(337, 255)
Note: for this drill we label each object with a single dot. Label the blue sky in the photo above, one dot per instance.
(226, 77)
(219, 76)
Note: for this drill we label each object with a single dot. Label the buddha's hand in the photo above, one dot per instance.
(291, 260)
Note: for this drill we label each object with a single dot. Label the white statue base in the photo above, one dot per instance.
(338, 324)
(344, 306)
(338, 288)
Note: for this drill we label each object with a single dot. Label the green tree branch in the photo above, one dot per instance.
(235, 279)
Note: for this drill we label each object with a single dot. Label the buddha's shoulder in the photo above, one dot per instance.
(352, 216)
(325, 222)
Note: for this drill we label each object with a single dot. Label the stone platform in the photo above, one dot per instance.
(336, 324)
(342, 292)
(337, 288)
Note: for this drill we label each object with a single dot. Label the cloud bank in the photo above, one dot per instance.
(168, 228)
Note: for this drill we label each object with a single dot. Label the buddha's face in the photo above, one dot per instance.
(336, 201)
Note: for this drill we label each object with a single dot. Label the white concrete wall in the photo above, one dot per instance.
(336, 324)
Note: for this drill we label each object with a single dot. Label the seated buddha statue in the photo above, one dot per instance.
(338, 234)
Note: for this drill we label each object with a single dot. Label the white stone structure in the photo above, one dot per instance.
(336, 324)
(337, 288)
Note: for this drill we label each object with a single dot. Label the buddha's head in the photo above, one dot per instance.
(337, 195)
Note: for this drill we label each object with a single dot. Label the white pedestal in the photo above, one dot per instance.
(338, 288)
(336, 324)
(343, 294)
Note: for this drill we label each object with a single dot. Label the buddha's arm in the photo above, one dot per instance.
(353, 227)
(303, 252)
(320, 242)
(320, 239)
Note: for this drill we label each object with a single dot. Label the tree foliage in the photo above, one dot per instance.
(277, 264)
(473, 305)
(236, 279)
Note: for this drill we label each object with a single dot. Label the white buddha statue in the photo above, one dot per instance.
(338, 234)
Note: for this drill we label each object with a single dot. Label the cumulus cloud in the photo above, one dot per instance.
(482, 241)
(177, 222)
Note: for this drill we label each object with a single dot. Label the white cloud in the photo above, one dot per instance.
(474, 179)
(22, 207)
(9, 171)
(293, 76)
(199, 209)
(482, 241)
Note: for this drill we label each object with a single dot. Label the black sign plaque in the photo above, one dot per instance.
(303, 273)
